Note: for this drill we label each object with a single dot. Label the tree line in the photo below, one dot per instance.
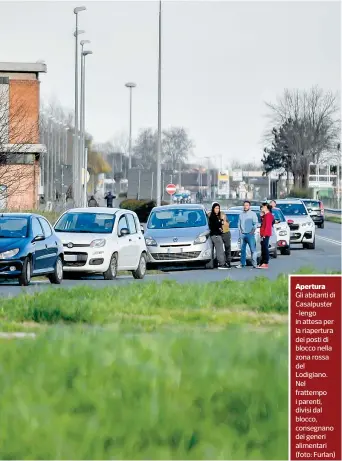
(304, 129)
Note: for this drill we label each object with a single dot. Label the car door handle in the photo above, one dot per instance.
(129, 240)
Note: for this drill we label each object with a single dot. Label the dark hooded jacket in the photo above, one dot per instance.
(215, 221)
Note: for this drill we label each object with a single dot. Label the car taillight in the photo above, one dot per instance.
(321, 207)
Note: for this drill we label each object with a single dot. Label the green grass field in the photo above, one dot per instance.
(333, 218)
(101, 395)
(147, 371)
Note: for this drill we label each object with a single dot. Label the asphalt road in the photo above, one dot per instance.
(326, 256)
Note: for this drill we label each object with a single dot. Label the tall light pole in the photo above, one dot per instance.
(82, 125)
(130, 85)
(159, 115)
(83, 156)
(77, 10)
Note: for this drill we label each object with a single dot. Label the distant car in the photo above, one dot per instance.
(302, 227)
(29, 248)
(179, 235)
(233, 218)
(316, 211)
(102, 241)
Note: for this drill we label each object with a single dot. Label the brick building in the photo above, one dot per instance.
(20, 150)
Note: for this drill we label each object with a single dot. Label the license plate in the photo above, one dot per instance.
(175, 250)
(70, 258)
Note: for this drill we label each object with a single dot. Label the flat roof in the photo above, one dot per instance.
(24, 67)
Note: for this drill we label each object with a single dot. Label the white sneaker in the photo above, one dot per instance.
(239, 266)
(223, 267)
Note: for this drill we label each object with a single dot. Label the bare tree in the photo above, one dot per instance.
(18, 131)
(309, 123)
(145, 149)
(177, 146)
(245, 166)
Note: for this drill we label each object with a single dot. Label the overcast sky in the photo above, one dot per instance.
(221, 61)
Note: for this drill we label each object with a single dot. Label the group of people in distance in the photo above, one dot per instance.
(247, 225)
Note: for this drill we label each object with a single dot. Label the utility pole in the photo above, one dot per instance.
(159, 116)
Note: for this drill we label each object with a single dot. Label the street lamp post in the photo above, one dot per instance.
(130, 85)
(82, 124)
(83, 156)
(76, 162)
(159, 115)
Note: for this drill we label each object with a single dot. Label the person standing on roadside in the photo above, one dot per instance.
(216, 231)
(265, 234)
(247, 226)
(92, 202)
(227, 240)
(109, 199)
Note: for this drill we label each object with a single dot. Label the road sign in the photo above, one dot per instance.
(171, 189)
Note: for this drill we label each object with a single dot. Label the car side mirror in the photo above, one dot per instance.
(124, 232)
(142, 229)
(38, 238)
(309, 210)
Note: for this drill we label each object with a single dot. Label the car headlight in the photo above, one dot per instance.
(150, 242)
(9, 253)
(202, 238)
(98, 243)
(282, 233)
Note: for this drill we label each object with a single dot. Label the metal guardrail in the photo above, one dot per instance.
(332, 211)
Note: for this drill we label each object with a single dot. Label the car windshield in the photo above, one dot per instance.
(314, 204)
(177, 218)
(233, 219)
(90, 223)
(13, 227)
(293, 209)
(278, 215)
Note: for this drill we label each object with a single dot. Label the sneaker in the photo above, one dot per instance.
(263, 266)
(222, 267)
(239, 266)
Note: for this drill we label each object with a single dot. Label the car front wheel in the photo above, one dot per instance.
(112, 270)
(57, 276)
(25, 277)
(140, 272)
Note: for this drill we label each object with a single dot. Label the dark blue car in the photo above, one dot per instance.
(29, 248)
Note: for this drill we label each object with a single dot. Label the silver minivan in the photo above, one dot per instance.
(179, 235)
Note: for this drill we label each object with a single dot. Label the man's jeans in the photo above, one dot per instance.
(248, 239)
(218, 244)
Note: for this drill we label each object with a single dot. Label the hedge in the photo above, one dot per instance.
(141, 207)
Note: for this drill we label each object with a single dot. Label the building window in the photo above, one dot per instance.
(16, 159)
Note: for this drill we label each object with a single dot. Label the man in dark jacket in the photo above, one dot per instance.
(92, 202)
(109, 198)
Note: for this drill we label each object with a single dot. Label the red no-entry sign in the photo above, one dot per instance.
(171, 189)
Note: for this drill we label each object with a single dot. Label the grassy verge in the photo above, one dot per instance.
(151, 306)
(334, 218)
(67, 395)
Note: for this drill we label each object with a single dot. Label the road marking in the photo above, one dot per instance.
(17, 335)
(326, 239)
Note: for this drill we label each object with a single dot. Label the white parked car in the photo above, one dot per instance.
(302, 227)
(102, 241)
(283, 232)
(233, 218)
